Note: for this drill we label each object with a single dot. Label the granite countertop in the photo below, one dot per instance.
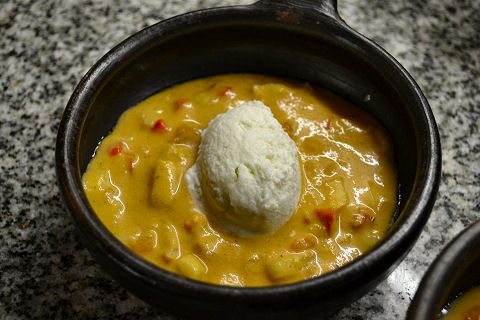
(47, 45)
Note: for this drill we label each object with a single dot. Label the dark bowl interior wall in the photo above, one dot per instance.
(268, 48)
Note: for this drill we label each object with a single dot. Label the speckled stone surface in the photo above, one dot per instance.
(47, 45)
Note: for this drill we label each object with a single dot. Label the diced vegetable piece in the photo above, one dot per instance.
(208, 243)
(329, 170)
(108, 192)
(309, 263)
(335, 193)
(283, 267)
(195, 221)
(316, 229)
(186, 134)
(278, 91)
(274, 94)
(161, 127)
(202, 99)
(344, 238)
(143, 242)
(307, 242)
(174, 153)
(358, 220)
(150, 117)
(361, 218)
(313, 170)
(166, 177)
(191, 266)
(326, 216)
(170, 243)
(182, 155)
(314, 145)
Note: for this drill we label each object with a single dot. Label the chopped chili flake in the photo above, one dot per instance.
(307, 220)
(326, 217)
(179, 103)
(160, 126)
(130, 164)
(116, 150)
(226, 90)
(328, 126)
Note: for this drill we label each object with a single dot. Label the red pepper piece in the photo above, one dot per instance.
(326, 217)
(116, 150)
(179, 103)
(226, 90)
(161, 127)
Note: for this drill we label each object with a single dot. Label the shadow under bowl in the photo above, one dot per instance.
(455, 271)
(281, 38)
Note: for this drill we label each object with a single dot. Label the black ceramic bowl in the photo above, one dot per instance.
(299, 39)
(454, 271)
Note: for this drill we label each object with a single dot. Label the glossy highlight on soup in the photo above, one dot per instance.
(135, 183)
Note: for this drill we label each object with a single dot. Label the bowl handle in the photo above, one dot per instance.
(327, 7)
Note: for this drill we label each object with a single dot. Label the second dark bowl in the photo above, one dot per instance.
(301, 39)
(455, 271)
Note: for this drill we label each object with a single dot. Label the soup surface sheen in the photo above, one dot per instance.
(467, 307)
(349, 188)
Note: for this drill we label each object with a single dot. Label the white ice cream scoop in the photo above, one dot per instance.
(247, 173)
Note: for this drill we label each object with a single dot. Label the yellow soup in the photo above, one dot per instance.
(135, 183)
(467, 307)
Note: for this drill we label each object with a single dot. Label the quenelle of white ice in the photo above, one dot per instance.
(247, 173)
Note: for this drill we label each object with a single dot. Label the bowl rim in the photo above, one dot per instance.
(414, 214)
(433, 292)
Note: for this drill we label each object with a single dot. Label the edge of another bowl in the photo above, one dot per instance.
(455, 270)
